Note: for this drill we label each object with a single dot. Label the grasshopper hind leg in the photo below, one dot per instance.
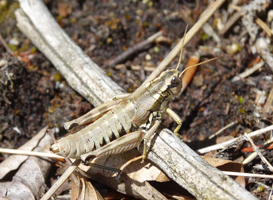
(120, 145)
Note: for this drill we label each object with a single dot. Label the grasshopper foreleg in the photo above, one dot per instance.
(176, 118)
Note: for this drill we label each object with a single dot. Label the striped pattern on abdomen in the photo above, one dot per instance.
(109, 127)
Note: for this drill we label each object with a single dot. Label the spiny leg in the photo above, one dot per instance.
(120, 145)
(177, 119)
(110, 169)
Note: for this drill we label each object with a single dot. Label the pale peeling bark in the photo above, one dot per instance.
(79, 70)
(177, 160)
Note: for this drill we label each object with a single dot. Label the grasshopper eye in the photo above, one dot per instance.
(174, 82)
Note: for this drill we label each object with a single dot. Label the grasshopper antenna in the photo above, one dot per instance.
(196, 65)
(182, 47)
(181, 53)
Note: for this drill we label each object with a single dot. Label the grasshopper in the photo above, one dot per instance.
(122, 124)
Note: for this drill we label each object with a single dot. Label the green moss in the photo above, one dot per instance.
(156, 49)
(24, 48)
(33, 50)
(204, 36)
(239, 47)
(58, 77)
(242, 111)
(13, 47)
(145, 24)
(260, 189)
(241, 99)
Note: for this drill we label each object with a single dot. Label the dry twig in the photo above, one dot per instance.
(269, 100)
(3, 42)
(234, 141)
(264, 51)
(248, 175)
(248, 72)
(231, 21)
(129, 52)
(30, 153)
(256, 149)
(222, 129)
(254, 154)
(61, 180)
(264, 26)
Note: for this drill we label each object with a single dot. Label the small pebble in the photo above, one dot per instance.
(14, 42)
(3, 62)
(148, 57)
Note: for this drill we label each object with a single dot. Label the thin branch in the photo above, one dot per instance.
(256, 149)
(231, 21)
(248, 175)
(268, 103)
(222, 129)
(262, 47)
(4, 43)
(248, 72)
(271, 191)
(197, 26)
(30, 153)
(254, 154)
(264, 26)
(129, 52)
(61, 180)
(235, 140)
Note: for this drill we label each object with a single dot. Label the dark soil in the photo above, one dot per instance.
(35, 95)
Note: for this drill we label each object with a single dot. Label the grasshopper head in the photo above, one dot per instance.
(172, 81)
